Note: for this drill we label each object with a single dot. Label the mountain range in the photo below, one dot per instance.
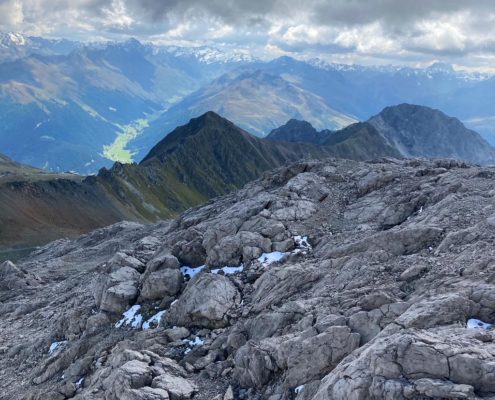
(411, 130)
(207, 157)
(70, 106)
(77, 111)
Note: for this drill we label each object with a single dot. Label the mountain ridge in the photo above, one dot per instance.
(419, 131)
(299, 131)
(205, 158)
(407, 130)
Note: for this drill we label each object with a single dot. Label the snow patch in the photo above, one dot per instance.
(191, 272)
(299, 389)
(269, 258)
(476, 323)
(154, 321)
(80, 382)
(193, 343)
(55, 345)
(132, 317)
(302, 245)
(229, 270)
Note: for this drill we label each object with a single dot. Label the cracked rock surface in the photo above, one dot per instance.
(322, 280)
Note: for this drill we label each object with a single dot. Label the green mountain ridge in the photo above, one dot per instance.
(205, 158)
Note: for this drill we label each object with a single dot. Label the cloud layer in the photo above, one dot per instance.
(368, 31)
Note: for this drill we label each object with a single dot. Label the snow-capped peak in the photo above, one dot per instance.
(434, 69)
(13, 39)
(207, 55)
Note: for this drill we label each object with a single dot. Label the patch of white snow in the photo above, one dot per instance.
(476, 323)
(302, 245)
(229, 270)
(55, 345)
(269, 258)
(131, 317)
(191, 272)
(154, 321)
(193, 343)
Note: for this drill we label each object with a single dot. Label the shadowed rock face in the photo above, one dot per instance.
(299, 132)
(346, 280)
(418, 131)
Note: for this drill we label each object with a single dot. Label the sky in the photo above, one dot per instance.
(406, 32)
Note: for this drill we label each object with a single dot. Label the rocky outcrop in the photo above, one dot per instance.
(321, 280)
(207, 301)
(13, 278)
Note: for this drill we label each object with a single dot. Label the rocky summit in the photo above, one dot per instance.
(321, 280)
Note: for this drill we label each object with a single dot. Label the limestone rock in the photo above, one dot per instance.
(119, 290)
(13, 278)
(206, 302)
(402, 258)
(161, 283)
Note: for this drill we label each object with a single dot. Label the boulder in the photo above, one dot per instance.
(177, 387)
(414, 364)
(244, 246)
(161, 283)
(120, 260)
(206, 302)
(299, 357)
(13, 278)
(162, 261)
(308, 358)
(118, 290)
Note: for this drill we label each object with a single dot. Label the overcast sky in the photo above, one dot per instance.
(413, 32)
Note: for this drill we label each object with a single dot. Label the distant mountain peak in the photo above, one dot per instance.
(298, 123)
(441, 67)
(420, 131)
(13, 39)
(204, 123)
(298, 131)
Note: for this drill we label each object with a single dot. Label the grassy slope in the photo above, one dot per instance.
(208, 157)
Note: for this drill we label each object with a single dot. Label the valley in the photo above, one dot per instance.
(119, 150)
(82, 92)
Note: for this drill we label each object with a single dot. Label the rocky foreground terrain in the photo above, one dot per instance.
(323, 280)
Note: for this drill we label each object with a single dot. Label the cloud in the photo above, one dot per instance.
(368, 30)
(10, 13)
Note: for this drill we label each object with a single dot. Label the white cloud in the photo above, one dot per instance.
(11, 14)
(409, 31)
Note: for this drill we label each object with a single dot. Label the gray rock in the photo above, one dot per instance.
(176, 333)
(120, 260)
(177, 387)
(402, 257)
(161, 283)
(13, 278)
(412, 272)
(206, 302)
(119, 291)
